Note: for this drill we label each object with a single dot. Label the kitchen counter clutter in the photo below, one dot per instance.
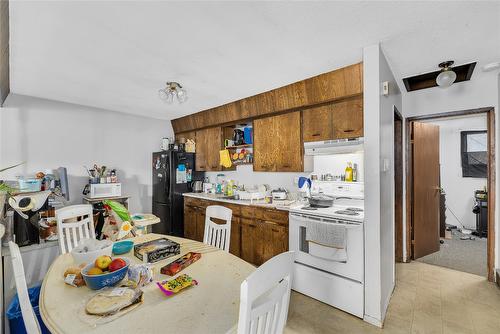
(193, 310)
(258, 231)
(276, 204)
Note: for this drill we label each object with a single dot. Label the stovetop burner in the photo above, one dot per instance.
(311, 208)
(347, 212)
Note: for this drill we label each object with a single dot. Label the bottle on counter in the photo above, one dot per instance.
(348, 172)
(355, 173)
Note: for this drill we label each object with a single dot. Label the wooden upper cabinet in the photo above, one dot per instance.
(186, 135)
(348, 119)
(333, 86)
(317, 123)
(289, 141)
(208, 145)
(201, 150)
(353, 79)
(278, 144)
(264, 145)
(214, 144)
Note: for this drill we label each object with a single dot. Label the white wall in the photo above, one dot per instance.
(459, 190)
(379, 183)
(323, 164)
(481, 91)
(48, 134)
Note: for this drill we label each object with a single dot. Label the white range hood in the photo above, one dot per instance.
(337, 146)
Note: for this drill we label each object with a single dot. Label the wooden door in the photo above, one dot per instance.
(201, 150)
(348, 119)
(251, 242)
(426, 189)
(200, 224)
(289, 140)
(234, 245)
(190, 222)
(317, 123)
(264, 145)
(275, 239)
(214, 144)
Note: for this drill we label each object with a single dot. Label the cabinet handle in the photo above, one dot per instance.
(286, 166)
(349, 130)
(214, 167)
(316, 134)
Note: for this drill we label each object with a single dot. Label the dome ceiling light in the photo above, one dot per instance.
(447, 76)
(172, 89)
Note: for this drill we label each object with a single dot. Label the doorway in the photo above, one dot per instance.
(398, 184)
(434, 229)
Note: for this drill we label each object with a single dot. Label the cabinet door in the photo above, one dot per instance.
(214, 144)
(201, 150)
(317, 123)
(251, 243)
(275, 239)
(235, 244)
(289, 140)
(353, 79)
(264, 146)
(348, 119)
(200, 224)
(189, 222)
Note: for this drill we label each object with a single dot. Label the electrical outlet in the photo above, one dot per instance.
(385, 88)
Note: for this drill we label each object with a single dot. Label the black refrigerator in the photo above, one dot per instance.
(173, 172)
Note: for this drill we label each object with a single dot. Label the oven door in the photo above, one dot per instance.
(353, 268)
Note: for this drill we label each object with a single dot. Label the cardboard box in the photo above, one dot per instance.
(156, 250)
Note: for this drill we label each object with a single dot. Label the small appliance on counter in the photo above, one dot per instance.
(279, 194)
(197, 186)
(101, 190)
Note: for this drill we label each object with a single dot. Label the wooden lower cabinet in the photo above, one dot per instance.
(251, 242)
(257, 234)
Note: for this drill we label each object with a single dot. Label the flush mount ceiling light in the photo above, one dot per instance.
(172, 89)
(447, 77)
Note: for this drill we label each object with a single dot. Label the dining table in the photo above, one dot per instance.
(211, 306)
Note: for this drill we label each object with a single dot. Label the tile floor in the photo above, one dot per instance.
(427, 299)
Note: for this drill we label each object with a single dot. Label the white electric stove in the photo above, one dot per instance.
(338, 283)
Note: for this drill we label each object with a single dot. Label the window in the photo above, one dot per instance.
(474, 150)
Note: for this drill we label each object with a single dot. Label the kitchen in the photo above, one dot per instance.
(318, 150)
(246, 159)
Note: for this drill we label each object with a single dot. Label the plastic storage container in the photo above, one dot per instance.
(15, 316)
(30, 185)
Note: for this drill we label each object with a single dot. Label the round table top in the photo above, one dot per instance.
(210, 307)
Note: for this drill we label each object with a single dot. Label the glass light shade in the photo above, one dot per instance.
(181, 95)
(446, 78)
(162, 94)
(166, 95)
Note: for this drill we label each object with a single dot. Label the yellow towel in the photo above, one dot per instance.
(225, 160)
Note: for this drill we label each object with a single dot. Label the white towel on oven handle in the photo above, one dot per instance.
(327, 253)
(327, 234)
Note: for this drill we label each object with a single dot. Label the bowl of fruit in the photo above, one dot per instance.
(105, 271)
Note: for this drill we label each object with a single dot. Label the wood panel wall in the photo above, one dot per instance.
(337, 85)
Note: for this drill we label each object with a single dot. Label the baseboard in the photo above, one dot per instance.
(373, 321)
(387, 301)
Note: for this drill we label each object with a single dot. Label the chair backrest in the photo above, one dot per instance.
(218, 235)
(29, 317)
(265, 296)
(80, 225)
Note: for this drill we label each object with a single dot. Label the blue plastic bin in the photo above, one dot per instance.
(15, 316)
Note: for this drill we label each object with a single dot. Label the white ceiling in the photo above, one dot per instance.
(116, 55)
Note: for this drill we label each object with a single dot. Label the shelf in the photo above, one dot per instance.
(239, 146)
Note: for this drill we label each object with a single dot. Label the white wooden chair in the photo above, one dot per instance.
(265, 296)
(218, 235)
(29, 317)
(71, 232)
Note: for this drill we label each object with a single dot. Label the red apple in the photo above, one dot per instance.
(117, 264)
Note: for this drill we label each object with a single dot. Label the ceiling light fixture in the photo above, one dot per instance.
(173, 89)
(447, 77)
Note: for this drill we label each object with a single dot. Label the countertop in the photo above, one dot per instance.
(277, 204)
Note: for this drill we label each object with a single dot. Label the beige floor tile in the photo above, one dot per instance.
(427, 299)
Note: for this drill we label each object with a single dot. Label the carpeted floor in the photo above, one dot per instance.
(463, 255)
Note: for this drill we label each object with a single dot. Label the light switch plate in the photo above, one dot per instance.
(385, 88)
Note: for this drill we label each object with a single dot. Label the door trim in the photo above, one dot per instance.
(398, 185)
(490, 111)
